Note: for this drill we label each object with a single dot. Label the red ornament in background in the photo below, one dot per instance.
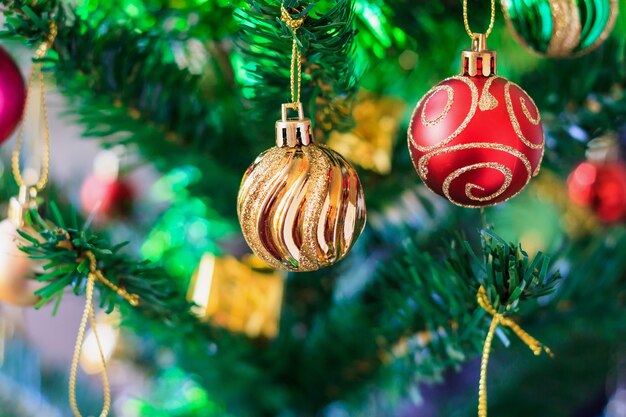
(105, 194)
(600, 182)
(12, 95)
(476, 139)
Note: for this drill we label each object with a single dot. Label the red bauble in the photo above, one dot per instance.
(12, 95)
(601, 187)
(106, 197)
(477, 138)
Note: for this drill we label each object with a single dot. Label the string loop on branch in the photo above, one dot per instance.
(499, 319)
(88, 315)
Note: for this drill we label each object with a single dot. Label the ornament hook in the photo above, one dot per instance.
(479, 60)
(293, 106)
(479, 42)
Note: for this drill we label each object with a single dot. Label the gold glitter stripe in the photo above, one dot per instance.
(446, 109)
(566, 27)
(538, 168)
(316, 195)
(531, 119)
(513, 118)
(255, 184)
(462, 126)
(575, 27)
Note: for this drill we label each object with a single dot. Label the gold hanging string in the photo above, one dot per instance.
(88, 314)
(491, 20)
(499, 319)
(36, 73)
(296, 56)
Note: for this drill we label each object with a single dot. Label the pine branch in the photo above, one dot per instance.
(414, 295)
(62, 248)
(125, 88)
(419, 296)
(442, 311)
(330, 67)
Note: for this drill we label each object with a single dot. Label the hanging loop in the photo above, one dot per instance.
(296, 56)
(36, 76)
(492, 19)
(88, 315)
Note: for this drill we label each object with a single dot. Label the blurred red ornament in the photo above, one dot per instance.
(601, 187)
(476, 139)
(12, 95)
(106, 197)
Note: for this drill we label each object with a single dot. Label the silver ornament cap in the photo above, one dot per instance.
(292, 132)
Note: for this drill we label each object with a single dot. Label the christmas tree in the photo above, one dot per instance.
(271, 296)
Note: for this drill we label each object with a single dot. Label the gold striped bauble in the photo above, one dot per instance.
(560, 28)
(300, 204)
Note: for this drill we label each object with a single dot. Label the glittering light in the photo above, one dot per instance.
(408, 60)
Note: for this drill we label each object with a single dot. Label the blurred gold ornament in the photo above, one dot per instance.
(106, 332)
(405, 345)
(300, 204)
(17, 270)
(242, 296)
(370, 143)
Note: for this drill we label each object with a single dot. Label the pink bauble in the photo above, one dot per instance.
(12, 95)
(17, 270)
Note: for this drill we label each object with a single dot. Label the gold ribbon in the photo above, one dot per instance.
(88, 314)
(296, 56)
(499, 319)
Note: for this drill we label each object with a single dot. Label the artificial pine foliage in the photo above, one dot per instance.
(194, 87)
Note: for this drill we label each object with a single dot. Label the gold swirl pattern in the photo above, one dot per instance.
(462, 126)
(422, 164)
(422, 169)
(531, 119)
(301, 208)
(446, 109)
(513, 117)
(503, 169)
